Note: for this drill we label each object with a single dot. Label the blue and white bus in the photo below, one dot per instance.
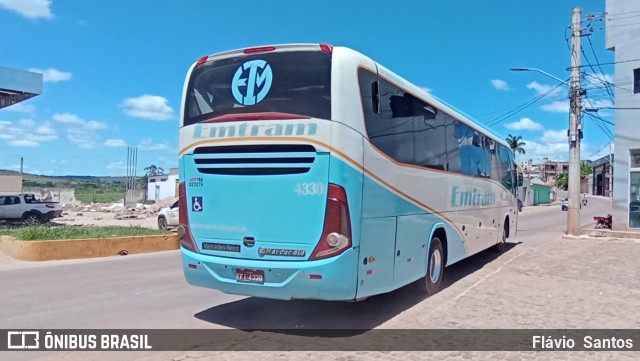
(313, 172)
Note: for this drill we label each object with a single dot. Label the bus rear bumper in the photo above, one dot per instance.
(332, 279)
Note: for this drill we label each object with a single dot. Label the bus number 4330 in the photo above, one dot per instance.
(309, 189)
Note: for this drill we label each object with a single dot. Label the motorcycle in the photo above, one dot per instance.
(603, 222)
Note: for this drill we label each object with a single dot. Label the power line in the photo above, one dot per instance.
(619, 14)
(599, 67)
(604, 129)
(520, 108)
(605, 82)
(611, 63)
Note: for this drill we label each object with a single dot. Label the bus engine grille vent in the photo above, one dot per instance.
(249, 160)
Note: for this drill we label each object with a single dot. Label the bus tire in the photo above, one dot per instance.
(501, 246)
(432, 281)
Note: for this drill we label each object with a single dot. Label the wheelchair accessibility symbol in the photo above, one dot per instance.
(196, 204)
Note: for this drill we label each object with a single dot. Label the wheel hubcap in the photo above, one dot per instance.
(435, 268)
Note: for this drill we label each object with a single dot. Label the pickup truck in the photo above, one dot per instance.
(25, 207)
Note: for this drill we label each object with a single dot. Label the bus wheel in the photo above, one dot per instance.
(432, 281)
(502, 245)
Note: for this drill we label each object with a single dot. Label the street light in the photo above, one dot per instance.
(541, 72)
(575, 133)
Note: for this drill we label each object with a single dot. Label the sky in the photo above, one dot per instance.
(114, 70)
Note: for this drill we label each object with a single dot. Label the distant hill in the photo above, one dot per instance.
(67, 178)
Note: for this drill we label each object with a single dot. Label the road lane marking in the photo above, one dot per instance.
(486, 277)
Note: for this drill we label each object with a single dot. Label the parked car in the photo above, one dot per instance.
(565, 204)
(519, 205)
(168, 216)
(27, 208)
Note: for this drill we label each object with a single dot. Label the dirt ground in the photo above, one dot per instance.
(113, 215)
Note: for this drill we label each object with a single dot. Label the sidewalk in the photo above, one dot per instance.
(553, 284)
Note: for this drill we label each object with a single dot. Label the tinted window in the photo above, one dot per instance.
(401, 125)
(507, 170)
(8, 200)
(468, 150)
(296, 82)
(636, 81)
(411, 131)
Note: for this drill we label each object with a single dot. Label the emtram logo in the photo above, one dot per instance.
(252, 82)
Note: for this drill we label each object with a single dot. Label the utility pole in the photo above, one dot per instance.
(575, 128)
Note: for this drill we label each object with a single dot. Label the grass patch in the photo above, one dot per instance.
(106, 197)
(38, 232)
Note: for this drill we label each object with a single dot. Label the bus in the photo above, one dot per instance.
(310, 171)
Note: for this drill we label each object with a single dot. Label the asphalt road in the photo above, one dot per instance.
(149, 291)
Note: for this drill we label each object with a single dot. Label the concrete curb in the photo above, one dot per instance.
(86, 248)
(599, 238)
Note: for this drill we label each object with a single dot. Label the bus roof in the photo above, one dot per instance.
(415, 90)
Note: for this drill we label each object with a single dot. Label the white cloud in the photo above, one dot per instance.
(23, 143)
(542, 89)
(67, 118)
(599, 103)
(52, 75)
(27, 133)
(560, 106)
(535, 150)
(31, 9)
(524, 124)
(22, 108)
(151, 107)
(500, 84)
(114, 143)
(554, 136)
(148, 144)
(117, 165)
(83, 133)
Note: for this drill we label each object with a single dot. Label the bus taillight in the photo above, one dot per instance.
(261, 49)
(336, 235)
(326, 48)
(202, 60)
(184, 232)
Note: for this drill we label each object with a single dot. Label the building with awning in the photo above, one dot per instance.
(18, 85)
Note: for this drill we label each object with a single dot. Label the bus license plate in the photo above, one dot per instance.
(250, 275)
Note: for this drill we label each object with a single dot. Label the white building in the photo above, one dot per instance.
(623, 37)
(162, 186)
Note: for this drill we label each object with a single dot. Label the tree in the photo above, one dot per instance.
(515, 144)
(585, 169)
(153, 170)
(562, 181)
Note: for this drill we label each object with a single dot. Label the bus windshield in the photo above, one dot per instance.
(293, 82)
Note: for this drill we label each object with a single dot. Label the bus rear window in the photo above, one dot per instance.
(293, 82)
